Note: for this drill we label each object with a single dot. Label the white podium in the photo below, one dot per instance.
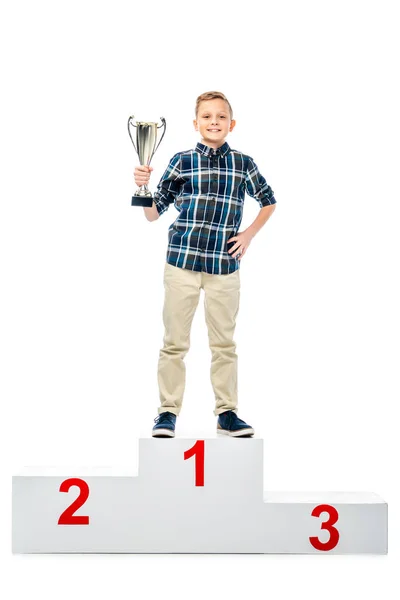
(190, 496)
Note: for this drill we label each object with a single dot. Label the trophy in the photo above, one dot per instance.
(146, 139)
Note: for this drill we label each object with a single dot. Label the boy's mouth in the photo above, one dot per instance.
(213, 130)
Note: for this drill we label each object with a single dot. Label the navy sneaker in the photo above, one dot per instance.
(230, 424)
(165, 425)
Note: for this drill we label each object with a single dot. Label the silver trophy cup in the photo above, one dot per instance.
(146, 140)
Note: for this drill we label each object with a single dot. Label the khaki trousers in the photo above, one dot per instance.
(221, 305)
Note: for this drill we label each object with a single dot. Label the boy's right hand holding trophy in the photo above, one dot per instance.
(142, 176)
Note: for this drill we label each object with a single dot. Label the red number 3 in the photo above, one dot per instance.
(328, 525)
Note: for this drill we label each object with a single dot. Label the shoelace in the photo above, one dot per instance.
(233, 419)
(165, 416)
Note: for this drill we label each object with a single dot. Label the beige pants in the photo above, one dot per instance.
(221, 305)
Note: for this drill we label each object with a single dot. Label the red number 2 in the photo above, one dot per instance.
(198, 451)
(328, 525)
(68, 517)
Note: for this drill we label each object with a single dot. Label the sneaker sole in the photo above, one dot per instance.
(248, 432)
(163, 433)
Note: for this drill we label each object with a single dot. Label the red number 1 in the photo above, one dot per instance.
(328, 525)
(198, 451)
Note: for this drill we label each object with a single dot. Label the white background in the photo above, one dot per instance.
(314, 90)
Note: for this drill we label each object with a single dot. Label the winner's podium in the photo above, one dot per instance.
(189, 496)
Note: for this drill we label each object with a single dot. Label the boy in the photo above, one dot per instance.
(207, 185)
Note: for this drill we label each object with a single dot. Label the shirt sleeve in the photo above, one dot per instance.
(169, 185)
(256, 185)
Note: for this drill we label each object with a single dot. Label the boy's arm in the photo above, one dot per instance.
(256, 187)
(167, 189)
(151, 212)
(261, 219)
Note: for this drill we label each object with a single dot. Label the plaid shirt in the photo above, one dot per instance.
(207, 187)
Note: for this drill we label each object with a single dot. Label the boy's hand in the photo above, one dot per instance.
(142, 174)
(243, 240)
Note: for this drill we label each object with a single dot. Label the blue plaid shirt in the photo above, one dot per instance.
(207, 187)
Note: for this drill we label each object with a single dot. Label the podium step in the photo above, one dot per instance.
(222, 466)
(189, 496)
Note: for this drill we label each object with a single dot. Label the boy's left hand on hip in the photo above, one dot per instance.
(243, 240)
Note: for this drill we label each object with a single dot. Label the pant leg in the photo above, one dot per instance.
(182, 292)
(221, 306)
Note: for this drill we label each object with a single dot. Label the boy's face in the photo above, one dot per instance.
(213, 122)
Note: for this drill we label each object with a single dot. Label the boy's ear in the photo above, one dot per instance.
(232, 125)
(195, 123)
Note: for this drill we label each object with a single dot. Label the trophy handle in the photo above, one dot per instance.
(158, 127)
(129, 131)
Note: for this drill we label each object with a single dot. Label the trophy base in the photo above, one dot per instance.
(146, 201)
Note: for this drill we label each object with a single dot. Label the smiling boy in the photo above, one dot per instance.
(207, 185)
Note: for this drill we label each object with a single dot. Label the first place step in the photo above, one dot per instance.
(190, 496)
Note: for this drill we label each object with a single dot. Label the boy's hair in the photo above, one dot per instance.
(211, 96)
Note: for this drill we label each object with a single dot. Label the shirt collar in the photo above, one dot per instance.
(208, 151)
